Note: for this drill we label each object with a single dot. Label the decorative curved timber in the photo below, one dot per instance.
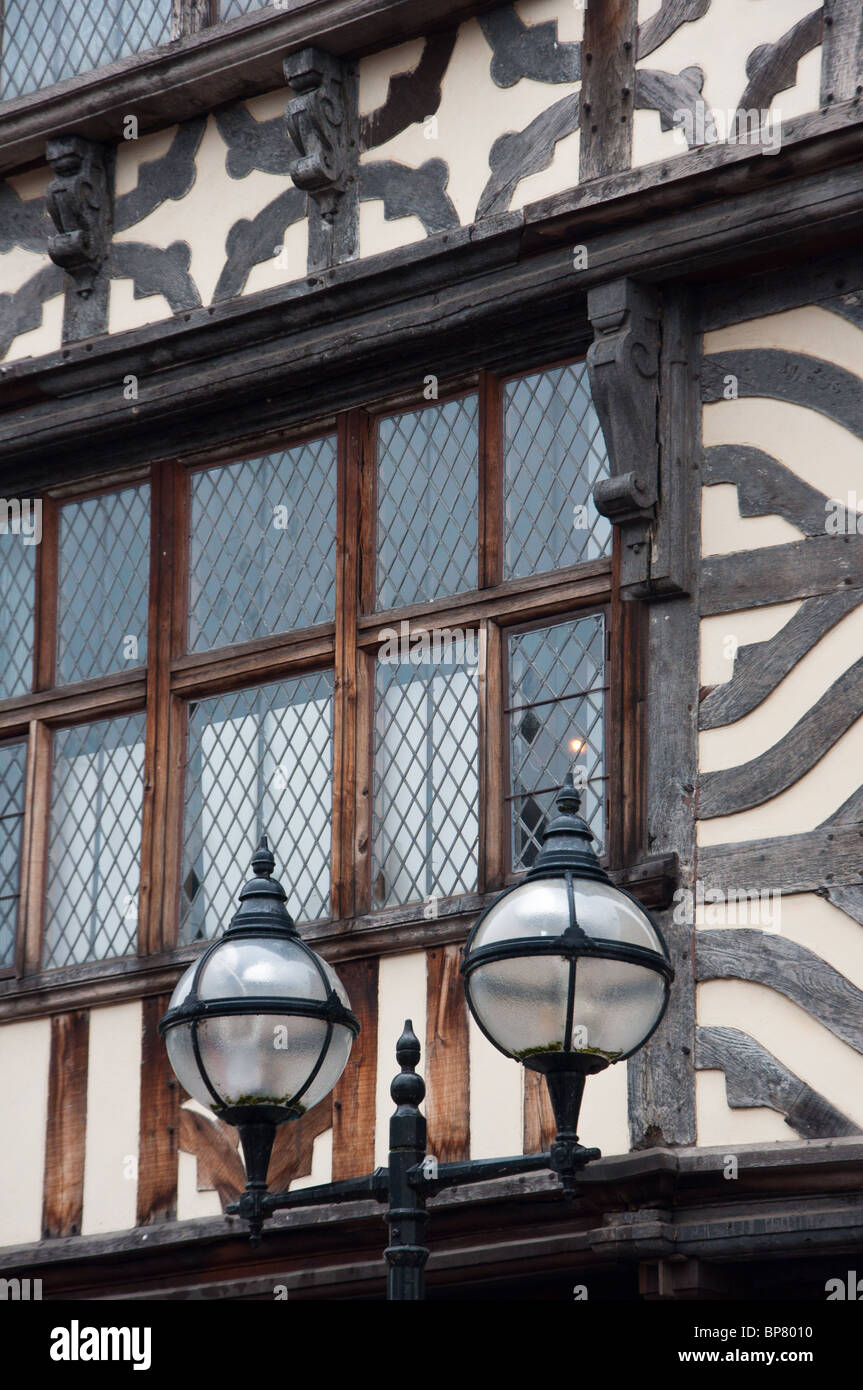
(528, 50)
(772, 67)
(765, 486)
(167, 178)
(760, 666)
(22, 311)
(754, 1077)
(792, 377)
(783, 764)
(667, 20)
(253, 144)
(215, 1146)
(155, 270)
(733, 953)
(253, 240)
(411, 96)
(671, 93)
(519, 153)
(24, 222)
(405, 191)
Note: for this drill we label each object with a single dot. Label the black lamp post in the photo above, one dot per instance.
(564, 972)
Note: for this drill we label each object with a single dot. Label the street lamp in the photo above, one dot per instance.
(259, 1029)
(566, 973)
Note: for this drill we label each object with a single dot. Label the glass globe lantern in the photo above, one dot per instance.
(259, 1028)
(564, 972)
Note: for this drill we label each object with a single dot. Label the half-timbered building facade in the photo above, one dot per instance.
(401, 402)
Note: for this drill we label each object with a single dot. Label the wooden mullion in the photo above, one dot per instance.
(352, 428)
(364, 783)
(492, 760)
(368, 486)
(490, 481)
(37, 818)
(181, 489)
(159, 639)
(46, 597)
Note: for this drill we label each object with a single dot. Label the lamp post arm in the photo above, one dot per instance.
(474, 1170)
(374, 1185)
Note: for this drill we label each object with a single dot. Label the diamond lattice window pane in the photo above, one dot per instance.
(94, 861)
(103, 585)
(230, 9)
(20, 525)
(44, 42)
(426, 786)
(556, 721)
(427, 503)
(263, 546)
(13, 763)
(259, 761)
(554, 452)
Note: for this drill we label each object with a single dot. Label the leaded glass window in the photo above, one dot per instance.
(94, 857)
(103, 585)
(42, 42)
(554, 453)
(258, 761)
(427, 503)
(13, 764)
(556, 709)
(263, 546)
(20, 530)
(426, 784)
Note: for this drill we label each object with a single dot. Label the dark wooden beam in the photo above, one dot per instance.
(754, 578)
(842, 52)
(63, 1202)
(159, 1124)
(607, 87)
(830, 855)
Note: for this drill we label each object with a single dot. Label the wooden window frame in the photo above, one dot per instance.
(348, 645)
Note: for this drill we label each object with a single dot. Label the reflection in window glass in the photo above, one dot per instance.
(103, 585)
(427, 503)
(556, 718)
(554, 452)
(19, 533)
(94, 860)
(13, 762)
(263, 546)
(43, 42)
(426, 785)
(259, 761)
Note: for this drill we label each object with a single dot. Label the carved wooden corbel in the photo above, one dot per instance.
(79, 199)
(322, 126)
(626, 368)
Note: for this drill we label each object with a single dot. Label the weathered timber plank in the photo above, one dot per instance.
(783, 764)
(766, 487)
(755, 578)
(842, 55)
(63, 1200)
(760, 666)
(607, 86)
(792, 970)
(787, 863)
(753, 1077)
(539, 1124)
(791, 377)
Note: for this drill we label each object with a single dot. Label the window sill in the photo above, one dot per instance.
(226, 62)
(391, 930)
